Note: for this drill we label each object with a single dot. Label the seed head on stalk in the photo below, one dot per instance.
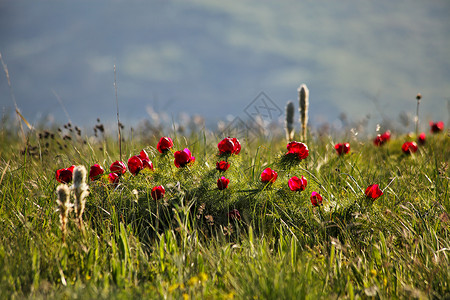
(81, 191)
(303, 99)
(290, 121)
(418, 97)
(64, 207)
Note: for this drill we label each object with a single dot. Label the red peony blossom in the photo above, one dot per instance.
(182, 158)
(421, 138)
(222, 166)
(65, 175)
(135, 165)
(299, 149)
(113, 178)
(316, 199)
(222, 183)
(386, 136)
(297, 184)
(147, 163)
(229, 146)
(158, 192)
(436, 127)
(118, 167)
(381, 139)
(234, 215)
(269, 175)
(164, 144)
(409, 147)
(373, 191)
(342, 148)
(378, 141)
(95, 172)
(237, 146)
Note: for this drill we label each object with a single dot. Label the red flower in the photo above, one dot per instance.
(421, 138)
(386, 136)
(222, 166)
(343, 148)
(182, 158)
(436, 127)
(378, 141)
(147, 163)
(64, 175)
(229, 146)
(113, 178)
(409, 147)
(381, 139)
(299, 149)
(234, 214)
(237, 146)
(95, 172)
(164, 144)
(135, 165)
(316, 199)
(158, 192)
(118, 167)
(297, 184)
(222, 183)
(269, 175)
(373, 191)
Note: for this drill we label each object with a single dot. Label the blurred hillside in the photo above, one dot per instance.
(213, 58)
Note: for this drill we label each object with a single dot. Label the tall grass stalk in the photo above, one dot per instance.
(119, 135)
(418, 97)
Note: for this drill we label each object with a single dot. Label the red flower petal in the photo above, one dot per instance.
(342, 148)
(436, 127)
(237, 146)
(421, 139)
(297, 184)
(164, 144)
(269, 175)
(118, 167)
(158, 192)
(135, 165)
(234, 214)
(226, 146)
(373, 191)
(222, 183)
(95, 171)
(182, 158)
(64, 175)
(113, 178)
(147, 163)
(300, 149)
(316, 199)
(222, 166)
(409, 147)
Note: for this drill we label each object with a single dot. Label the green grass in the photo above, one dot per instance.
(396, 246)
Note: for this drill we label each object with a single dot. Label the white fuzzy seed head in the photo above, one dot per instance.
(303, 99)
(290, 111)
(63, 195)
(79, 176)
(81, 190)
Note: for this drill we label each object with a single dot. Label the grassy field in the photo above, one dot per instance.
(187, 245)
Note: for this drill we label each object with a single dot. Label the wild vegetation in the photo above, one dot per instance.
(187, 228)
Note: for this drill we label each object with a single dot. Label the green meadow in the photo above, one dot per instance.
(187, 245)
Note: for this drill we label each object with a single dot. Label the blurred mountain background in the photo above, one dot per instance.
(212, 58)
